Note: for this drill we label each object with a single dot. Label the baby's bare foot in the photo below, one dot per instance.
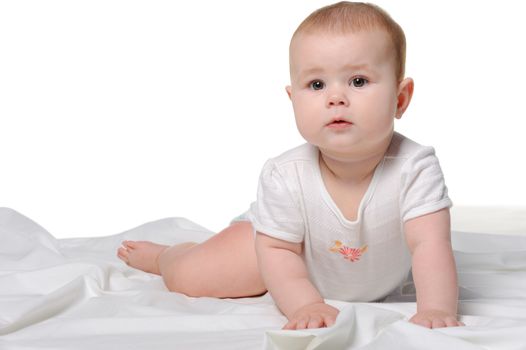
(142, 255)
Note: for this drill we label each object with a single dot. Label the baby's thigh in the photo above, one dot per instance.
(223, 266)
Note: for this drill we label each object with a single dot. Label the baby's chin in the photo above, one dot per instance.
(350, 151)
(339, 152)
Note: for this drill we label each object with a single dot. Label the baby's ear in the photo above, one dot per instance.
(405, 92)
(287, 88)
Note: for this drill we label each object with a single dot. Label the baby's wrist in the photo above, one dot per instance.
(304, 305)
(437, 312)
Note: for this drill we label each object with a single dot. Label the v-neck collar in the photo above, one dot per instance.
(330, 202)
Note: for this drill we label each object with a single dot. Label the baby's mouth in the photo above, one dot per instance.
(339, 123)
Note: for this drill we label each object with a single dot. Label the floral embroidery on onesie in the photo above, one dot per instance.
(351, 254)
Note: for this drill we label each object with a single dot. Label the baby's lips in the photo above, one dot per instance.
(340, 120)
(339, 123)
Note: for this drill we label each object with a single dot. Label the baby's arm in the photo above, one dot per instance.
(285, 276)
(434, 271)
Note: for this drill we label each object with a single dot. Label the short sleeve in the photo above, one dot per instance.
(276, 212)
(423, 189)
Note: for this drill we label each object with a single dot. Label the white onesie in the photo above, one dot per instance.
(362, 260)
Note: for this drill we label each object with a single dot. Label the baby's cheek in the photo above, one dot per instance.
(305, 123)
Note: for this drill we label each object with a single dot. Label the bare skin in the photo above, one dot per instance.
(350, 77)
(224, 266)
(144, 255)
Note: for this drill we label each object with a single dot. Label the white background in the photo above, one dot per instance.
(115, 113)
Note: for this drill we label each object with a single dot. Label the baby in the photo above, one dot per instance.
(345, 215)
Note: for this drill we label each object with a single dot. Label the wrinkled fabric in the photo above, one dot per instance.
(76, 294)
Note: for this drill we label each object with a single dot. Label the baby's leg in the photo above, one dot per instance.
(144, 255)
(224, 266)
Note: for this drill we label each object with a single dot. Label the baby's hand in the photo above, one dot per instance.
(435, 319)
(316, 315)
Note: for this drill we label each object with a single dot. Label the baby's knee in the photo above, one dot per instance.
(180, 277)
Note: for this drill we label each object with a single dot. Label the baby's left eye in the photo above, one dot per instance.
(359, 82)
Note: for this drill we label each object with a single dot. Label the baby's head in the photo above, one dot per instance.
(351, 17)
(347, 78)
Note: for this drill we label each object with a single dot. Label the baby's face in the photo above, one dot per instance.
(344, 91)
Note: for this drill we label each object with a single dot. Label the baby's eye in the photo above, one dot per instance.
(359, 82)
(317, 85)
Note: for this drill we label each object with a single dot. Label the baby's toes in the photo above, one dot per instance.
(129, 244)
(122, 254)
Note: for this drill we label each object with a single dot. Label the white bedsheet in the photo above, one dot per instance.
(75, 294)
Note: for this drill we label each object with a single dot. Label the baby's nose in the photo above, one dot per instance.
(337, 99)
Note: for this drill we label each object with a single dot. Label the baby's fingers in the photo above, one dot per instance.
(310, 323)
(315, 322)
(315, 315)
(302, 323)
(438, 323)
(454, 323)
(329, 321)
(290, 325)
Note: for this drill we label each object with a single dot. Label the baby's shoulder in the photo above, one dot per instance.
(292, 164)
(286, 169)
(402, 147)
(305, 153)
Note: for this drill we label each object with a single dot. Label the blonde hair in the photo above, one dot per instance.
(347, 17)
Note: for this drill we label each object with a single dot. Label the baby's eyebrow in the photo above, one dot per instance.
(355, 67)
(348, 67)
(309, 71)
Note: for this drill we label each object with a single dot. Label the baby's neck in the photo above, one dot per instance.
(350, 171)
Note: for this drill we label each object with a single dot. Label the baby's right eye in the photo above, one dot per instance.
(317, 85)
